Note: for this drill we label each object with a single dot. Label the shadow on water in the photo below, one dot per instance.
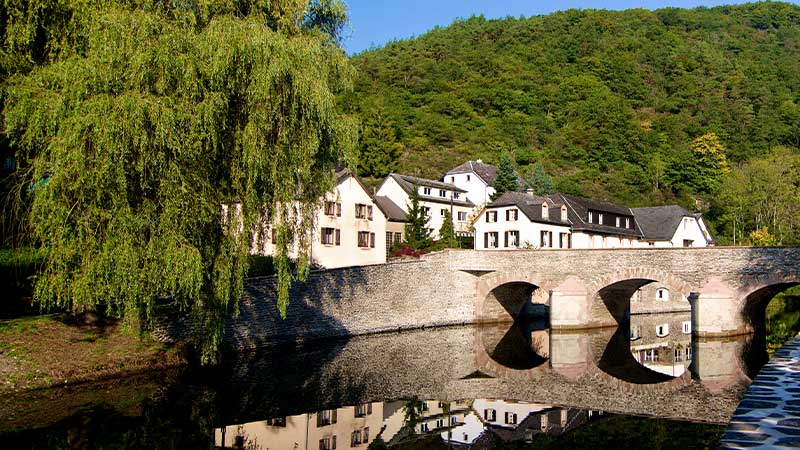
(618, 362)
(524, 346)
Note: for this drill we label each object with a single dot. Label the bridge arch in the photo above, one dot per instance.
(610, 295)
(510, 296)
(756, 295)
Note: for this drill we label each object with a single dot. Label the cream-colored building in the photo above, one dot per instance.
(347, 427)
(349, 228)
(395, 221)
(435, 197)
(672, 226)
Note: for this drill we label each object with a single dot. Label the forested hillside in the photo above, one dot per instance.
(641, 107)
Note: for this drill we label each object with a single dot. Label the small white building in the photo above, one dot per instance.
(349, 229)
(522, 220)
(435, 197)
(477, 178)
(672, 226)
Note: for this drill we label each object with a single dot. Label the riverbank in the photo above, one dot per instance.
(57, 350)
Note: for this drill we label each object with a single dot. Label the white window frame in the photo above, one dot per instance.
(662, 330)
(662, 294)
(687, 327)
(426, 191)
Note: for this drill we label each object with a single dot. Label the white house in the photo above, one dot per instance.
(349, 229)
(672, 226)
(599, 224)
(435, 197)
(477, 178)
(522, 220)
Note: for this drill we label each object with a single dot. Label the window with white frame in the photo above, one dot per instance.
(512, 215)
(687, 327)
(600, 218)
(363, 211)
(456, 195)
(662, 330)
(636, 332)
(618, 221)
(363, 239)
(489, 415)
(442, 212)
(491, 216)
(442, 193)
(512, 238)
(426, 210)
(423, 427)
(511, 418)
(688, 353)
(627, 222)
(330, 236)
(662, 294)
(490, 239)
(678, 354)
(426, 191)
(439, 423)
(462, 216)
(591, 216)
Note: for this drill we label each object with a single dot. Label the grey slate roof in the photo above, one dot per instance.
(658, 223)
(578, 213)
(390, 209)
(486, 172)
(531, 206)
(407, 182)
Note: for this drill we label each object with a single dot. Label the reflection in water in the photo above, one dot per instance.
(520, 383)
(464, 423)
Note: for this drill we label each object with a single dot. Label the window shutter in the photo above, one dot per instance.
(338, 237)
(506, 236)
(485, 240)
(333, 416)
(338, 210)
(372, 240)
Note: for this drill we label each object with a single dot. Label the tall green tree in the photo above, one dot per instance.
(709, 164)
(446, 231)
(417, 234)
(506, 179)
(541, 182)
(379, 150)
(137, 120)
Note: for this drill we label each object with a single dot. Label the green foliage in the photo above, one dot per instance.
(610, 101)
(540, 181)
(783, 319)
(380, 151)
(764, 192)
(138, 120)
(763, 238)
(417, 235)
(705, 171)
(506, 176)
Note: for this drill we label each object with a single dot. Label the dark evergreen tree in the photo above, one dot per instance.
(541, 182)
(446, 230)
(506, 176)
(380, 151)
(417, 234)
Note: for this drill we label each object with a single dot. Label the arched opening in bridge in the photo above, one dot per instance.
(516, 301)
(521, 346)
(654, 340)
(773, 313)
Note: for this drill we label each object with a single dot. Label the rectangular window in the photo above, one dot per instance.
(687, 327)
(511, 418)
(591, 217)
(512, 238)
(456, 195)
(489, 415)
(398, 237)
(426, 210)
(468, 177)
(330, 209)
(511, 215)
(678, 355)
(326, 417)
(439, 423)
(363, 239)
(452, 179)
(564, 240)
(490, 239)
(361, 410)
(365, 435)
(491, 216)
(325, 444)
(619, 220)
(687, 242)
(462, 216)
(361, 211)
(328, 236)
(628, 222)
(426, 191)
(355, 438)
(442, 212)
(442, 193)
(546, 239)
(600, 218)
(389, 235)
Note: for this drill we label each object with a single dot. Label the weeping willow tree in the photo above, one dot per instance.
(137, 120)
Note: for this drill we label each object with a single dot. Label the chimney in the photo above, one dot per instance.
(479, 161)
(545, 211)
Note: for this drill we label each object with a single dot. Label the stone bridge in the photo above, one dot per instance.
(728, 288)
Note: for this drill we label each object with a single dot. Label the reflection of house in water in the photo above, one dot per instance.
(346, 427)
(662, 342)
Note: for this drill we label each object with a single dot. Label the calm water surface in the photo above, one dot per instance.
(647, 384)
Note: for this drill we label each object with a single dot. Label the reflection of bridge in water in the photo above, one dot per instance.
(586, 370)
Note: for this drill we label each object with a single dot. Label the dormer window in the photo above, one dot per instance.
(619, 220)
(563, 213)
(600, 218)
(426, 191)
(442, 193)
(591, 217)
(545, 211)
(627, 222)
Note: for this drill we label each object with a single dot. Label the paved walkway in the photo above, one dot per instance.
(769, 414)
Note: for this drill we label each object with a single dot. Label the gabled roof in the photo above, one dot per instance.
(658, 223)
(390, 209)
(578, 212)
(531, 206)
(407, 183)
(486, 172)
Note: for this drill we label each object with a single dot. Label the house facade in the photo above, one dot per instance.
(476, 178)
(435, 197)
(395, 221)
(672, 226)
(522, 220)
(349, 228)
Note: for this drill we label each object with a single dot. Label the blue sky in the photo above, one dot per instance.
(375, 22)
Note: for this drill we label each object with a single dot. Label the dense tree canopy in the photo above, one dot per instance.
(608, 102)
(134, 121)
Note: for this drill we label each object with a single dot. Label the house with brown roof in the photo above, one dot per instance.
(477, 179)
(672, 226)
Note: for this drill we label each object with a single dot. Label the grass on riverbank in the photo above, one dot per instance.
(54, 350)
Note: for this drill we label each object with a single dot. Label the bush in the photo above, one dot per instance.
(17, 269)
